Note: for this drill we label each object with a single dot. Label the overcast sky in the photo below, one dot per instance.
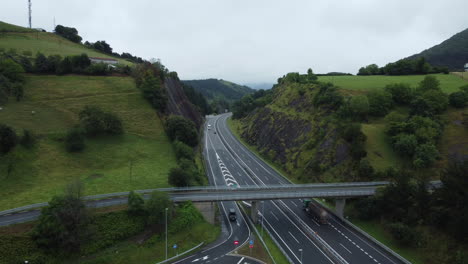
(249, 41)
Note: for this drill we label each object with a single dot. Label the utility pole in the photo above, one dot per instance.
(166, 232)
(30, 13)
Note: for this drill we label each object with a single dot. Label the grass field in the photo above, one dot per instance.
(5, 27)
(104, 165)
(22, 39)
(448, 82)
(379, 151)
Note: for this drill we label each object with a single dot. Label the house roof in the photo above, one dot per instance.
(105, 59)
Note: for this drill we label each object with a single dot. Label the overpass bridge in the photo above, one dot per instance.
(339, 191)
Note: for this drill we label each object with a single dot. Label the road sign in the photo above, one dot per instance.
(236, 242)
(174, 246)
(251, 246)
(251, 242)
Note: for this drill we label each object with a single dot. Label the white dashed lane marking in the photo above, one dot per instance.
(354, 243)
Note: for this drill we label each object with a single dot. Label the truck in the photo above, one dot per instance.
(232, 214)
(315, 211)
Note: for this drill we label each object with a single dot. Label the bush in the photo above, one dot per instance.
(428, 83)
(74, 140)
(183, 151)
(95, 121)
(365, 169)
(458, 99)
(98, 69)
(136, 204)
(359, 106)
(404, 234)
(11, 70)
(380, 103)
(187, 216)
(8, 139)
(352, 131)
(179, 177)
(184, 130)
(28, 140)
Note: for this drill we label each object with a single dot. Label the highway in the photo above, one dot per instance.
(283, 218)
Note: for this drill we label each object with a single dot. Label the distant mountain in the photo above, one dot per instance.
(452, 53)
(214, 89)
(258, 86)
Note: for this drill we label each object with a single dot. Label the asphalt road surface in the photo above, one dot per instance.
(283, 218)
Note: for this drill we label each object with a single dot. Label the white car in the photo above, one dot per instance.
(209, 126)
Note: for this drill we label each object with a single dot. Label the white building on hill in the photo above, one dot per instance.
(466, 67)
(103, 60)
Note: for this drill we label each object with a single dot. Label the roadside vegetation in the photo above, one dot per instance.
(69, 232)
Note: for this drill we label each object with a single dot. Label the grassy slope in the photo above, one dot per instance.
(5, 27)
(104, 165)
(449, 83)
(47, 43)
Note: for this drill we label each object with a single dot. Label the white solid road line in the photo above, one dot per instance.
(294, 237)
(346, 249)
(277, 219)
(240, 260)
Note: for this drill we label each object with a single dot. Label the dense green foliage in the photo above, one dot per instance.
(179, 177)
(459, 99)
(403, 67)
(182, 129)
(451, 53)
(64, 224)
(28, 139)
(8, 139)
(95, 122)
(249, 102)
(68, 33)
(149, 79)
(74, 140)
(11, 80)
(157, 206)
(183, 151)
(219, 93)
(136, 204)
(197, 99)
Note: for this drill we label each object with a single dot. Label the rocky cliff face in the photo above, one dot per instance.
(179, 104)
(303, 138)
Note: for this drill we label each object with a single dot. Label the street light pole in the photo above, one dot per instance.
(263, 215)
(166, 232)
(300, 250)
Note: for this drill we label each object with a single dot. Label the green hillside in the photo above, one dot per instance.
(448, 82)
(5, 27)
(452, 53)
(214, 89)
(104, 165)
(22, 39)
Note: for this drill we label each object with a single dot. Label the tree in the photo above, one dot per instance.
(452, 199)
(65, 66)
(401, 92)
(425, 155)
(68, 33)
(428, 83)
(95, 121)
(183, 151)
(80, 62)
(156, 207)
(28, 140)
(404, 234)
(136, 204)
(64, 224)
(8, 139)
(41, 64)
(101, 45)
(11, 70)
(458, 99)
(153, 91)
(365, 170)
(74, 140)
(405, 144)
(184, 130)
(359, 106)
(311, 76)
(380, 103)
(179, 177)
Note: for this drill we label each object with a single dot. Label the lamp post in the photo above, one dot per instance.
(166, 232)
(300, 250)
(263, 215)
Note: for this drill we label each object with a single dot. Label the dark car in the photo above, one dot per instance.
(232, 214)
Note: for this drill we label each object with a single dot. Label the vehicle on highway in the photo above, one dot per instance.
(209, 126)
(214, 132)
(232, 214)
(316, 211)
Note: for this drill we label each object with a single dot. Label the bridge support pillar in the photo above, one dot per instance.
(254, 212)
(339, 207)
